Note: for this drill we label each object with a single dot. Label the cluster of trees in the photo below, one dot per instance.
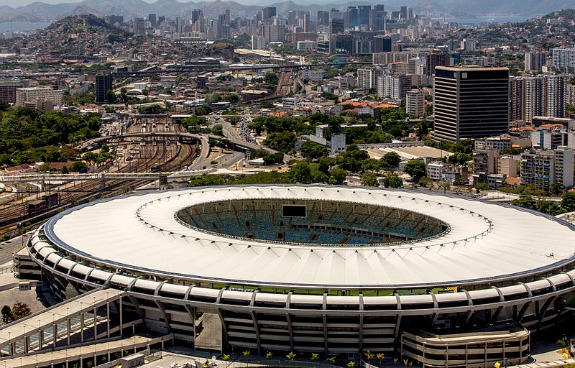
(196, 124)
(28, 136)
(550, 207)
(18, 310)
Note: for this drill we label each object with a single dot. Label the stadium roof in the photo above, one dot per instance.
(486, 242)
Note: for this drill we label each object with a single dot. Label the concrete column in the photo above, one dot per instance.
(69, 329)
(121, 317)
(82, 327)
(108, 319)
(54, 334)
(95, 324)
(40, 339)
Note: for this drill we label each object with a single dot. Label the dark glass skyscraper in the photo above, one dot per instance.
(470, 102)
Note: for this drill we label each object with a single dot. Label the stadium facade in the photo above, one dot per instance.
(444, 280)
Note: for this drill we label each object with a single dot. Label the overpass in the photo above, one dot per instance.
(220, 68)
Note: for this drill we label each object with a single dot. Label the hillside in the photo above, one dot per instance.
(77, 35)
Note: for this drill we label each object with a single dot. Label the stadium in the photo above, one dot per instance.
(439, 279)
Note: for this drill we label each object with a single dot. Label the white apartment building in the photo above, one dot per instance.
(415, 102)
(35, 94)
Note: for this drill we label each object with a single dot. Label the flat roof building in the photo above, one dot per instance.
(35, 94)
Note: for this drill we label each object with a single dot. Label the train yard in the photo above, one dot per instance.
(24, 204)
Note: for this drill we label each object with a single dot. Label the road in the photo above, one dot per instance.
(9, 247)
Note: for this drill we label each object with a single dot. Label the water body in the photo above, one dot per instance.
(15, 27)
(480, 20)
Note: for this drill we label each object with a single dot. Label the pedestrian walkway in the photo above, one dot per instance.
(46, 328)
(95, 353)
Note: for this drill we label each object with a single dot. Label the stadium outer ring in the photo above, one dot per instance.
(336, 320)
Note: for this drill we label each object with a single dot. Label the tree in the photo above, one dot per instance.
(525, 201)
(337, 176)
(271, 78)
(20, 310)
(393, 181)
(416, 169)
(45, 167)
(313, 150)
(79, 167)
(218, 130)
(300, 173)
(6, 314)
(390, 159)
(369, 179)
(283, 141)
(568, 201)
(352, 158)
(110, 96)
(274, 158)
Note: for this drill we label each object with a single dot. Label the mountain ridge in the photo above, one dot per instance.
(39, 11)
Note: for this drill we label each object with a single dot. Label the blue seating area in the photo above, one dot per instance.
(325, 223)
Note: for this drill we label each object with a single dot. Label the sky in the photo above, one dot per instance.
(17, 3)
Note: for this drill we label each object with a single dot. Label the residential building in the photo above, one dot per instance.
(313, 75)
(395, 87)
(35, 94)
(366, 78)
(534, 61)
(502, 142)
(507, 165)
(485, 161)
(415, 102)
(547, 167)
(563, 60)
(549, 136)
(470, 102)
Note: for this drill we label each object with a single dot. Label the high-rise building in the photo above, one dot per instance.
(541, 95)
(415, 102)
(363, 12)
(336, 26)
(268, 13)
(534, 61)
(564, 60)
(470, 102)
(103, 85)
(8, 89)
(350, 17)
(377, 18)
(435, 59)
(403, 13)
(382, 43)
(152, 18)
(395, 87)
(366, 78)
(322, 18)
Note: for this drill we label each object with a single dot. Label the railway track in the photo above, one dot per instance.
(169, 157)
